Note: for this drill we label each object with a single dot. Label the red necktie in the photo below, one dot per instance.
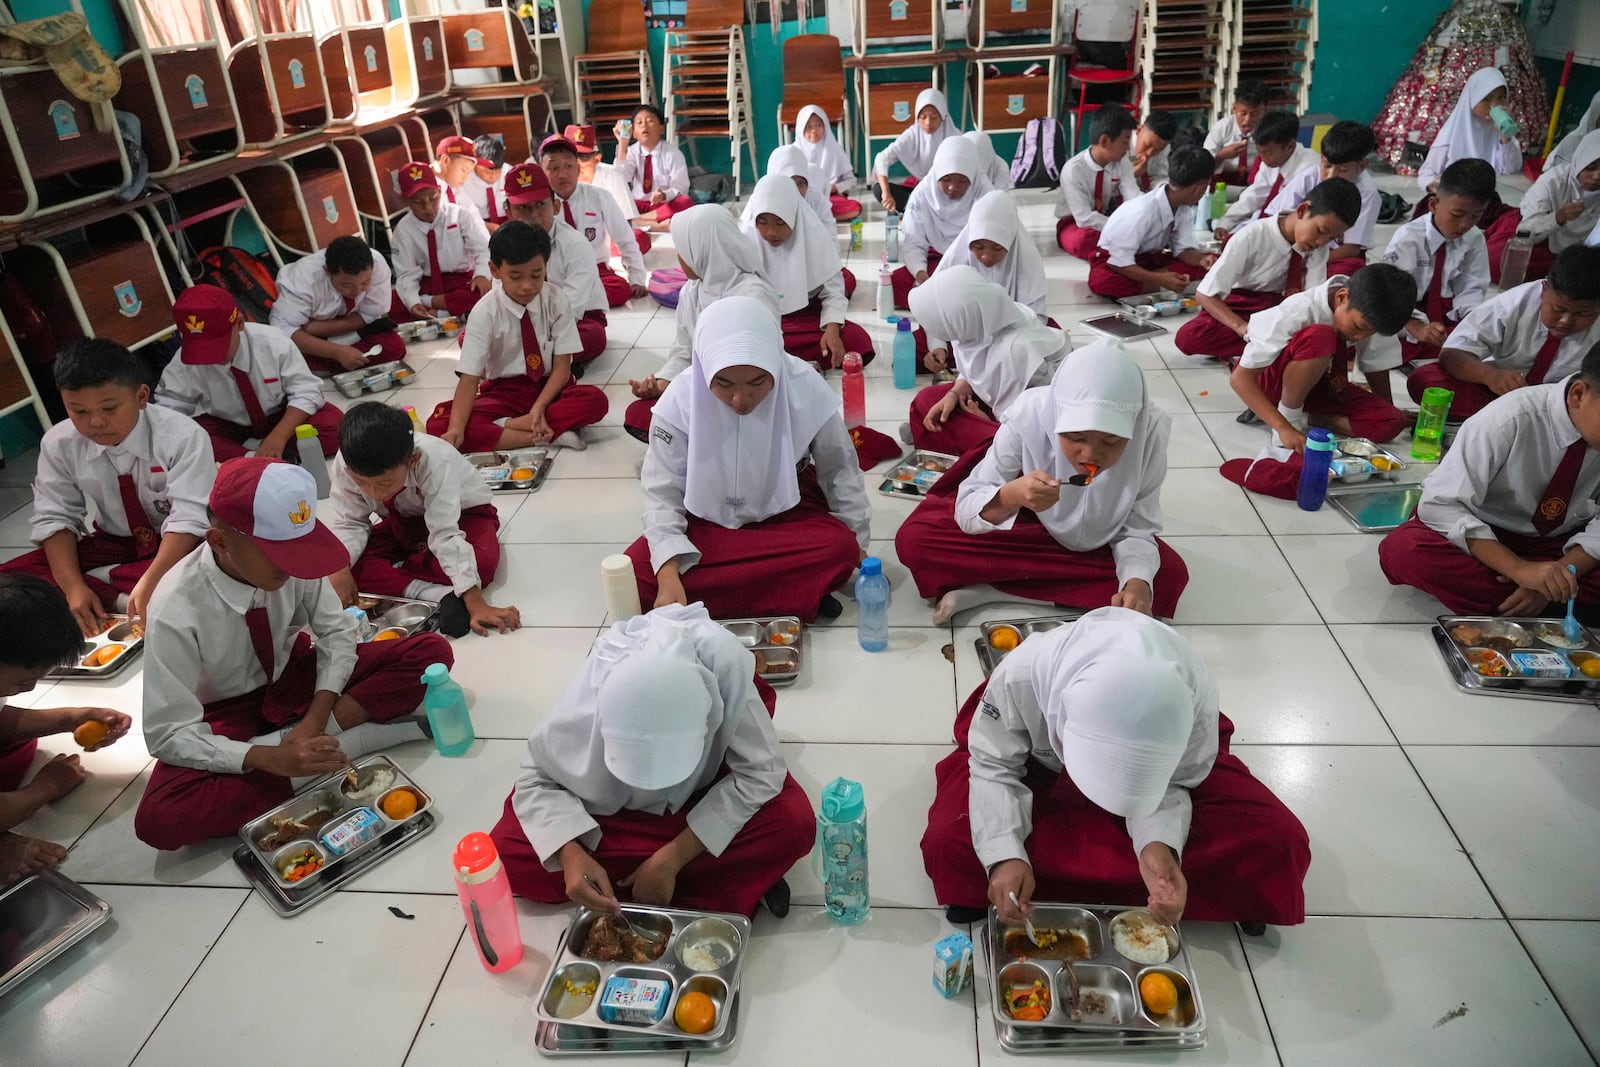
(1541, 362)
(140, 528)
(1296, 282)
(1272, 194)
(493, 214)
(1144, 182)
(1099, 186)
(260, 627)
(566, 213)
(410, 530)
(648, 182)
(1553, 501)
(530, 348)
(1433, 300)
(252, 403)
(450, 191)
(350, 301)
(435, 275)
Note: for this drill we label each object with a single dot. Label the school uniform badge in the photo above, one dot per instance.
(588, 233)
(128, 301)
(1552, 508)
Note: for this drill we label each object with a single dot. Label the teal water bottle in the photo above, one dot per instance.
(841, 851)
(446, 707)
(904, 355)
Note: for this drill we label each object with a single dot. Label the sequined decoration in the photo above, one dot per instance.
(1465, 39)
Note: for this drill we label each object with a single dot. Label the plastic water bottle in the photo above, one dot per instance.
(841, 851)
(1219, 202)
(891, 237)
(905, 355)
(856, 235)
(416, 423)
(885, 291)
(1427, 436)
(1514, 260)
(855, 391)
(446, 707)
(872, 606)
(1314, 474)
(486, 904)
(309, 450)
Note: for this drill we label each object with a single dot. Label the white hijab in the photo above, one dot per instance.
(827, 155)
(1468, 136)
(915, 148)
(807, 259)
(569, 746)
(935, 217)
(1566, 149)
(743, 468)
(1097, 386)
(998, 343)
(993, 167)
(708, 238)
(789, 161)
(1021, 272)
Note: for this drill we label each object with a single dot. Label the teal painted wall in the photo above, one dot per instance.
(102, 23)
(1363, 46)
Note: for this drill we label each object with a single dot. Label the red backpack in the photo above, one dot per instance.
(243, 276)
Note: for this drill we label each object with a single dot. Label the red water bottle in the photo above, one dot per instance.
(486, 904)
(855, 392)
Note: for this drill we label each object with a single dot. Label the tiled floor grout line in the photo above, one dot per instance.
(1266, 1016)
(201, 963)
(422, 1020)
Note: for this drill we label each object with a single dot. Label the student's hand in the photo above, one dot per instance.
(453, 437)
(1171, 279)
(272, 446)
(481, 285)
(115, 721)
(1011, 876)
(86, 609)
(886, 198)
(832, 347)
(349, 357)
(1169, 890)
(59, 777)
(1036, 491)
(1433, 333)
(539, 427)
(488, 617)
(421, 311)
(1567, 212)
(344, 584)
(922, 276)
(649, 388)
(575, 863)
(139, 598)
(302, 757)
(1135, 596)
(973, 409)
(1230, 151)
(1207, 261)
(937, 359)
(1221, 233)
(658, 197)
(669, 589)
(622, 134)
(1522, 604)
(941, 412)
(639, 292)
(1549, 579)
(1293, 440)
(1140, 165)
(656, 879)
(1502, 382)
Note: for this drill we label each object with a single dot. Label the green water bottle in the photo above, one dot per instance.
(1219, 201)
(1428, 435)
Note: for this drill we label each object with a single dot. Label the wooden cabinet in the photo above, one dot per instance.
(51, 135)
(305, 201)
(279, 87)
(110, 284)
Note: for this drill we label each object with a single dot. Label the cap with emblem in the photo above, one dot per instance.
(582, 138)
(205, 316)
(455, 145)
(414, 177)
(527, 183)
(273, 503)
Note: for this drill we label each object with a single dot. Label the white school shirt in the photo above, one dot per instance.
(1272, 329)
(167, 453)
(1077, 189)
(306, 293)
(665, 474)
(480, 195)
(493, 347)
(1466, 265)
(907, 150)
(1122, 509)
(276, 369)
(611, 182)
(440, 485)
(1146, 223)
(1296, 189)
(1505, 159)
(1256, 259)
(1556, 188)
(462, 242)
(197, 650)
(1257, 195)
(1226, 132)
(1505, 331)
(669, 172)
(1011, 726)
(741, 768)
(1496, 473)
(571, 266)
(600, 220)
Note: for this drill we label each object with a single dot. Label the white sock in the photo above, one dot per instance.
(369, 737)
(430, 591)
(570, 439)
(975, 596)
(1296, 418)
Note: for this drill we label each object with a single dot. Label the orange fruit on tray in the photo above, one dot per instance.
(696, 1013)
(401, 804)
(102, 656)
(1004, 638)
(1158, 993)
(387, 635)
(91, 733)
(1590, 668)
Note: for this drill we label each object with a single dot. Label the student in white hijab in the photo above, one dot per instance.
(930, 127)
(993, 244)
(1093, 737)
(814, 136)
(719, 261)
(993, 167)
(789, 161)
(754, 503)
(936, 213)
(657, 771)
(1562, 208)
(800, 258)
(1469, 133)
(1567, 147)
(1086, 457)
(1000, 349)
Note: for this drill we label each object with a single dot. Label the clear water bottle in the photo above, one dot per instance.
(486, 904)
(872, 606)
(309, 451)
(854, 387)
(446, 707)
(1514, 260)
(1314, 473)
(905, 355)
(891, 237)
(841, 851)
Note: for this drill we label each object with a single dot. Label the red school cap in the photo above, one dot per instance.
(205, 316)
(414, 177)
(273, 503)
(527, 183)
(582, 138)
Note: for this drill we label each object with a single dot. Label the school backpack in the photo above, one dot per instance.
(1041, 153)
(706, 187)
(242, 276)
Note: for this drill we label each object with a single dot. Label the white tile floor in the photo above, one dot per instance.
(1453, 836)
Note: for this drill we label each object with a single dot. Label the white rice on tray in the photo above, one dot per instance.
(1141, 939)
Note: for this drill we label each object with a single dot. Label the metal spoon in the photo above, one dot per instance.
(1033, 935)
(1027, 923)
(620, 913)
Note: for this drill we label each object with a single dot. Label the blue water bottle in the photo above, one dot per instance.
(446, 707)
(905, 355)
(872, 606)
(840, 860)
(1314, 474)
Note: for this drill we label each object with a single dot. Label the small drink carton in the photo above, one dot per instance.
(952, 964)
